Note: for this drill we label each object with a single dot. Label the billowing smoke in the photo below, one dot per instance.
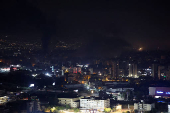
(103, 46)
(45, 42)
(27, 20)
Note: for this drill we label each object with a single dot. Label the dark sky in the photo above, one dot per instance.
(136, 23)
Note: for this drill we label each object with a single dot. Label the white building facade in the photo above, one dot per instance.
(73, 102)
(118, 89)
(4, 99)
(94, 103)
(143, 107)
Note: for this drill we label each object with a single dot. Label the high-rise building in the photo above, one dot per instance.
(33, 106)
(74, 69)
(168, 73)
(79, 69)
(91, 70)
(115, 69)
(141, 107)
(163, 59)
(155, 71)
(161, 72)
(121, 72)
(62, 70)
(133, 70)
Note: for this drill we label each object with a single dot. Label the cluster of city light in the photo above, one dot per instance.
(99, 73)
(34, 75)
(31, 85)
(15, 65)
(4, 99)
(161, 92)
(79, 65)
(87, 65)
(47, 74)
(4, 69)
(168, 93)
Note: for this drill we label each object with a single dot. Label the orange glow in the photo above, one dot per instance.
(82, 82)
(140, 49)
(99, 87)
(89, 77)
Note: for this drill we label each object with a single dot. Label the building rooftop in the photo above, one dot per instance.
(95, 98)
(67, 95)
(77, 101)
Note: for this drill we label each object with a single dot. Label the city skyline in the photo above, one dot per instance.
(75, 56)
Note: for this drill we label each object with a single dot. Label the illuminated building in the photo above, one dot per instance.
(53, 70)
(3, 70)
(71, 70)
(97, 62)
(161, 72)
(75, 86)
(91, 70)
(63, 67)
(121, 72)
(168, 108)
(111, 83)
(66, 77)
(143, 107)
(73, 102)
(71, 78)
(33, 106)
(94, 103)
(75, 70)
(133, 70)
(62, 70)
(119, 89)
(115, 69)
(3, 99)
(68, 100)
(79, 69)
(15, 65)
(157, 92)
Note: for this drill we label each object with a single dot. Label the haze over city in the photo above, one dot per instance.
(84, 56)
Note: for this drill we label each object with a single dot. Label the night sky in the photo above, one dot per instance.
(117, 23)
